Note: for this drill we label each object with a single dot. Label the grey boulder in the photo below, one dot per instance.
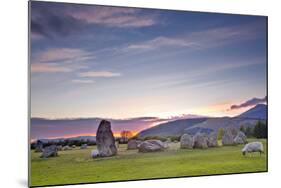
(95, 153)
(186, 141)
(151, 146)
(228, 137)
(133, 144)
(240, 138)
(200, 141)
(50, 151)
(212, 140)
(84, 146)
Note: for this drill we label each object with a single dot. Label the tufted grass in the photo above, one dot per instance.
(77, 166)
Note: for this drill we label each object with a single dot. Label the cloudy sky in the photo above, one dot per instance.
(95, 61)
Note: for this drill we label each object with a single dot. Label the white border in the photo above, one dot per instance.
(13, 100)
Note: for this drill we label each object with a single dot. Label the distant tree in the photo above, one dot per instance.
(220, 133)
(260, 130)
(242, 129)
(248, 132)
(125, 135)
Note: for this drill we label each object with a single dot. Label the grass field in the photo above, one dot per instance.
(77, 166)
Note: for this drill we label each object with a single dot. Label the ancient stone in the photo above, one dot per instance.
(66, 148)
(200, 141)
(132, 144)
(59, 147)
(105, 140)
(151, 146)
(95, 153)
(50, 151)
(240, 138)
(186, 141)
(228, 137)
(84, 146)
(212, 140)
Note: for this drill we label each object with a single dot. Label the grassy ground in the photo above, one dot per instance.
(76, 166)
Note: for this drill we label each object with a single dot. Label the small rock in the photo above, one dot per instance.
(50, 151)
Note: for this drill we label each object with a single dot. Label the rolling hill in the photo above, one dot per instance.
(258, 112)
(207, 125)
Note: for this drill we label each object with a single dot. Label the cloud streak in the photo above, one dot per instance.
(112, 17)
(55, 55)
(59, 20)
(49, 68)
(249, 103)
(213, 37)
(99, 74)
(79, 81)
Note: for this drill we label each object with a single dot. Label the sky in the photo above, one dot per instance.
(121, 63)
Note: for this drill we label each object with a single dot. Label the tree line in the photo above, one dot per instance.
(258, 131)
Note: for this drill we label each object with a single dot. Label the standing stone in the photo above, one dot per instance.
(200, 141)
(39, 146)
(50, 151)
(105, 140)
(151, 146)
(228, 138)
(84, 146)
(168, 140)
(186, 141)
(240, 138)
(65, 148)
(132, 144)
(212, 140)
(59, 147)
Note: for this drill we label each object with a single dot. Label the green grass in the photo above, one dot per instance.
(77, 166)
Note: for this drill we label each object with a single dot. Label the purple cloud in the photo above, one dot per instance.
(251, 102)
(59, 20)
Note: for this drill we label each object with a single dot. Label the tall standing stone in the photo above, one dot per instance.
(212, 140)
(240, 138)
(105, 140)
(228, 137)
(200, 141)
(186, 141)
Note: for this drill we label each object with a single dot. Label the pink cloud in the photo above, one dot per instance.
(113, 16)
(99, 74)
(48, 68)
(62, 54)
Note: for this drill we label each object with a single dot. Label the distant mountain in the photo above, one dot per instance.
(172, 128)
(258, 112)
(207, 125)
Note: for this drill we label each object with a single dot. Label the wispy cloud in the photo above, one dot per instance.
(49, 68)
(195, 78)
(79, 81)
(159, 42)
(55, 55)
(212, 37)
(59, 20)
(96, 74)
(112, 17)
(60, 60)
(249, 103)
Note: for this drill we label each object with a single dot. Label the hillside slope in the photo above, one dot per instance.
(207, 125)
(173, 128)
